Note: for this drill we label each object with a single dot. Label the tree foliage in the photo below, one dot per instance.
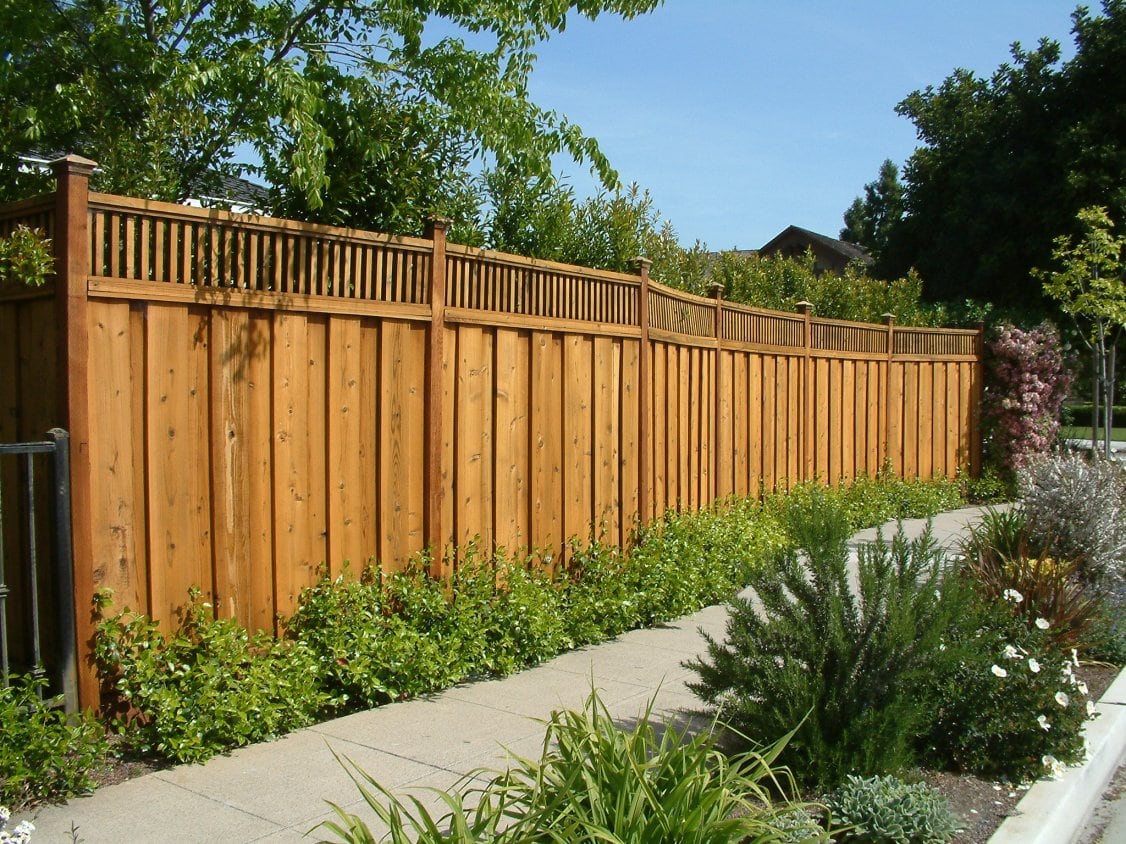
(1006, 162)
(1090, 287)
(869, 221)
(166, 94)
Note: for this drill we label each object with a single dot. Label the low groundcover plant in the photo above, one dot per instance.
(885, 809)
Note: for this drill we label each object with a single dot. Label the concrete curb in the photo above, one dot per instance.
(1054, 811)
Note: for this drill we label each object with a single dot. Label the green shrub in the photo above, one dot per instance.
(1011, 701)
(868, 502)
(1105, 640)
(684, 561)
(43, 755)
(1009, 567)
(207, 687)
(599, 597)
(846, 666)
(1077, 508)
(597, 782)
(383, 637)
(886, 810)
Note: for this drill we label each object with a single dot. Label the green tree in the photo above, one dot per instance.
(166, 94)
(1090, 286)
(869, 220)
(1006, 162)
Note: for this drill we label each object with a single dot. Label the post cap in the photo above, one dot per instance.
(436, 223)
(641, 264)
(804, 307)
(716, 289)
(888, 319)
(73, 164)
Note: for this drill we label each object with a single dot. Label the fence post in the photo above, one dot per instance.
(64, 570)
(434, 486)
(975, 420)
(644, 393)
(72, 262)
(716, 289)
(806, 310)
(889, 321)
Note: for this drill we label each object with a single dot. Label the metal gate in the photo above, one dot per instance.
(37, 634)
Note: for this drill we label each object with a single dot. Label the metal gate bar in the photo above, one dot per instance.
(64, 667)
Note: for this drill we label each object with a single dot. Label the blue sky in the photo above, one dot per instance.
(742, 117)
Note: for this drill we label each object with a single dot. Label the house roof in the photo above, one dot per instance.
(241, 194)
(848, 251)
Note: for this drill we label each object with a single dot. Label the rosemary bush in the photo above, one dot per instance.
(846, 666)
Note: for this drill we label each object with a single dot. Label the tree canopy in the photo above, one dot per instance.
(869, 220)
(397, 94)
(1005, 163)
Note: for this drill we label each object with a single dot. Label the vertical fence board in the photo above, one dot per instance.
(659, 428)
(262, 439)
(230, 477)
(402, 418)
(547, 438)
(607, 435)
(348, 511)
(578, 503)
(112, 436)
(630, 436)
(511, 416)
(177, 425)
(474, 433)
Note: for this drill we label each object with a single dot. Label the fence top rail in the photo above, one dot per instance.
(477, 254)
(252, 222)
(751, 310)
(847, 323)
(27, 207)
(683, 296)
(945, 332)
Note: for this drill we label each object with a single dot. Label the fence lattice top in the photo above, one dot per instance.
(144, 241)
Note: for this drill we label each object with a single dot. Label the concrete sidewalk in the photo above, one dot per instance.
(276, 791)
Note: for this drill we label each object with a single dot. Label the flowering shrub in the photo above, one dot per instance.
(1026, 385)
(1006, 563)
(20, 835)
(1011, 702)
(1077, 508)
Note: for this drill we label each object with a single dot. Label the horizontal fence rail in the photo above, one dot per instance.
(255, 400)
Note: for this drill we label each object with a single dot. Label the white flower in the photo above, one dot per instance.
(1042, 623)
(1011, 652)
(1075, 657)
(1043, 722)
(1090, 709)
(1033, 665)
(1082, 687)
(1012, 595)
(1062, 699)
(1054, 766)
(5, 813)
(999, 671)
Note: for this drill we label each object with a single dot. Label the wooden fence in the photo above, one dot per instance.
(250, 398)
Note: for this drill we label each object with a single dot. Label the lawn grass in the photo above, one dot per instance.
(1084, 433)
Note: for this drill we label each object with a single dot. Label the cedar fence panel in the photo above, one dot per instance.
(260, 398)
